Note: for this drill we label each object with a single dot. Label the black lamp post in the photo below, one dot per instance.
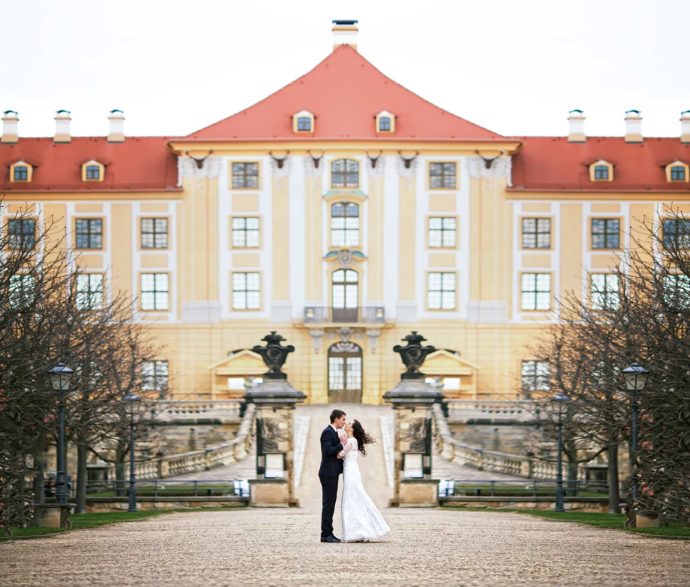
(131, 400)
(635, 381)
(60, 379)
(560, 399)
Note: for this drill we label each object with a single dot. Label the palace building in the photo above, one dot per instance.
(344, 211)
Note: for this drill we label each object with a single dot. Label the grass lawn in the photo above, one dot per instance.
(613, 521)
(81, 521)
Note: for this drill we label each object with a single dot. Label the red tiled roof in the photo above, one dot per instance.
(344, 92)
(139, 163)
(553, 163)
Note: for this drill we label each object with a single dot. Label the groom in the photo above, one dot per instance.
(330, 470)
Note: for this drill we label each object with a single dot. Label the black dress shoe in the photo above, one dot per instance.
(330, 538)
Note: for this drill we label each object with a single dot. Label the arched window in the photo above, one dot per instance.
(20, 172)
(344, 173)
(601, 171)
(345, 372)
(93, 171)
(345, 295)
(303, 122)
(344, 224)
(677, 172)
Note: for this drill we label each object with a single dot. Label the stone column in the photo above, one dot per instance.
(275, 401)
(412, 400)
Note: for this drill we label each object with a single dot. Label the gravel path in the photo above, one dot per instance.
(281, 547)
(272, 547)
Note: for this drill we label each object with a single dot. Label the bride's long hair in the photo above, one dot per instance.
(361, 436)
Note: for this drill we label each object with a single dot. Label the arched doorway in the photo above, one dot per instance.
(345, 372)
(345, 293)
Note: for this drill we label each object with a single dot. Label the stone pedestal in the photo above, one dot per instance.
(418, 493)
(275, 401)
(412, 400)
(53, 515)
(267, 493)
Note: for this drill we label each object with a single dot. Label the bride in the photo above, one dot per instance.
(361, 519)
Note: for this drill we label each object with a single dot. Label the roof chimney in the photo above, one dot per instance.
(10, 124)
(685, 126)
(63, 119)
(633, 126)
(576, 132)
(345, 33)
(117, 126)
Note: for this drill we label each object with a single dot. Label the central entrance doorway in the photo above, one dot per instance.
(345, 372)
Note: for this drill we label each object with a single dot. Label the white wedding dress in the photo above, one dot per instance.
(361, 518)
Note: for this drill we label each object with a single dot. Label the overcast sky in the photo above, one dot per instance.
(515, 67)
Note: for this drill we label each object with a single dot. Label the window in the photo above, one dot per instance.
(89, 233)
(154, 233)
(245, 176)
(442, 232)
(385, 122)
(442, 176)
(20, 172)
(246, 291)
(344, 295)
(535, 376)
(345, 173)
(441, 291)
(344, 224)
(154, 376)
(154, 291)
(677, 290)
(606, 233)
(536, 291)
(92, 171)
(676, 233)
(678, 173)
(22, 233)
(21, 290)
(536, 233)
(303, 122)
(245, 232)
(604, 291)
(601, 171)
(89, 291)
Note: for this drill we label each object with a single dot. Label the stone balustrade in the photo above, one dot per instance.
(518, 411)
(453, 450)
(184, 411)
(200, 460)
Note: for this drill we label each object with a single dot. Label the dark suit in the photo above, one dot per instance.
(330, 470)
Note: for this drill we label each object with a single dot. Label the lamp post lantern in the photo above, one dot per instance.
(60, 380)
(635, 381)
(131, 400)
(560, 399)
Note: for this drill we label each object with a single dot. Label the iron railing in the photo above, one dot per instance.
(171, 488)
(328, 315)
(517, 488)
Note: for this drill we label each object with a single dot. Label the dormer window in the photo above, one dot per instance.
(601, 171)
(385, 122)
(92, 171)
(303, 122)
(20, 172)
(677, 172)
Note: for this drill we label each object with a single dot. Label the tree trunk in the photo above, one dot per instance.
(120, 454)
(82, 474)
(614, 489)
(571, 469)
(39, 474)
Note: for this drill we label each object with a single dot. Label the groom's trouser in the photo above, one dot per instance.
(329, 490)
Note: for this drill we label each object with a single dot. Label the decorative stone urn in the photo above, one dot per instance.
(412, 400)
(275, 401)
